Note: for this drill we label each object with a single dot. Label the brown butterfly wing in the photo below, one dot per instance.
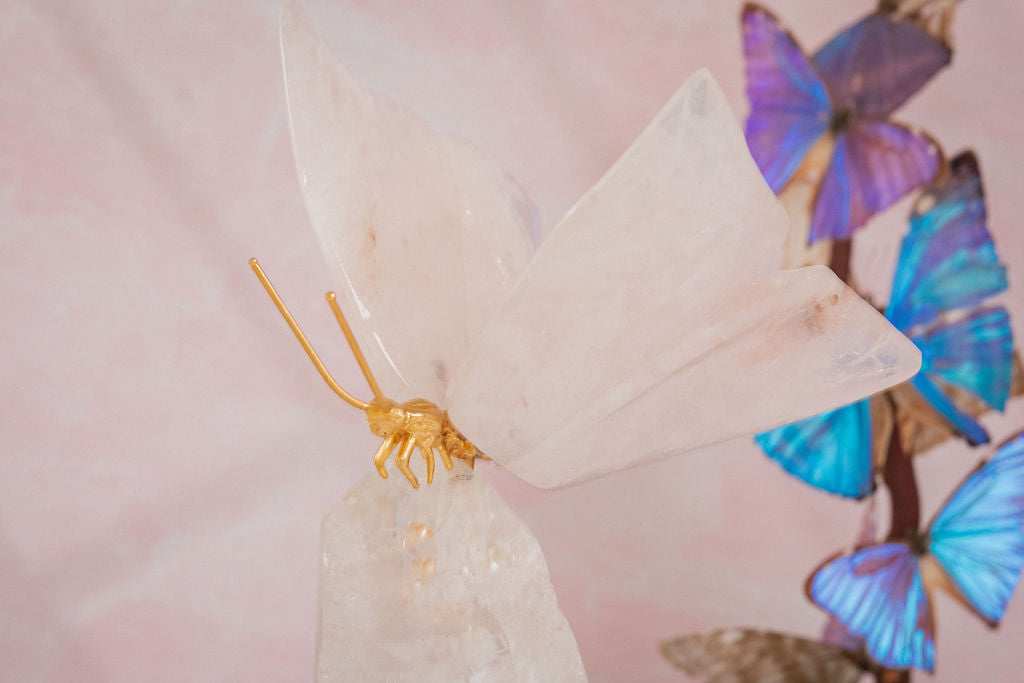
(749, 656)
(922, 428)
(883, 420)
(934, 16)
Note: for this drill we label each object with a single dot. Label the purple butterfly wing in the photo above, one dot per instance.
(789, 106)
(873, 165)
(877, 593)
(836, 634)
(874, 66)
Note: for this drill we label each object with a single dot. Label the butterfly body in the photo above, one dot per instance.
(419, 417)
(840, 121)
(416, 424)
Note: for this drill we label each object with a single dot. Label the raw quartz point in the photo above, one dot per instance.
(443, 583)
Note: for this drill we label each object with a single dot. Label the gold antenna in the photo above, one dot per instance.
(321, 368)
(332, 301)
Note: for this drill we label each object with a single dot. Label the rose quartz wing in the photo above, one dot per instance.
(654, 318)
(422, 235)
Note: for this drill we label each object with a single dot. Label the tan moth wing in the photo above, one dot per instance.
(751, 656)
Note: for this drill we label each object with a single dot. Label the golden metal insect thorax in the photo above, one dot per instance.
(414, 425)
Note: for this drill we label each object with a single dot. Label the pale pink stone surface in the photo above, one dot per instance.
(168, 452)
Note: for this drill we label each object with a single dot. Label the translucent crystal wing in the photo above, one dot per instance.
(654, 318)
(421, 235)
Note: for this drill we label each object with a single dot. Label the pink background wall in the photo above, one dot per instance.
(167, 450)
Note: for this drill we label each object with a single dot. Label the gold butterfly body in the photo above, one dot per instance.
(416, 424)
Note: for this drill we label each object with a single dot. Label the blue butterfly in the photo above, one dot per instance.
(947, 266)
(973, 549)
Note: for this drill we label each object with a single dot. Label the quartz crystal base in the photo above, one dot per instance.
(438, 584)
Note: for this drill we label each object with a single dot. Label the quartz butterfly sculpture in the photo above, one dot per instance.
(652, 320)
(827, 117)
(973, 549)
(947, 268)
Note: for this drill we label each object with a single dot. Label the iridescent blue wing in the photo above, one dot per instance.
(878, 594)
(831, 451)
(947, 261)
(789, 107)
(978, 536)
(874, 163)
(974, 353)
(874, 66)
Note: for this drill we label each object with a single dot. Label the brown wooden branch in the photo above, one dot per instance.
(892, 676)
(901, 481)
(898, 473)
(842, 251)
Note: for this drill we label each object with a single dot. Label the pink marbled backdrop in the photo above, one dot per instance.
(168, 452)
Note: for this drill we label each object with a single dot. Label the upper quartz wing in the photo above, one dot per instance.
(654, 318)
(421, 233)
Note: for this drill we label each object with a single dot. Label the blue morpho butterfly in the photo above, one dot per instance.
(947, 266)
(843, 95)
(973, 549)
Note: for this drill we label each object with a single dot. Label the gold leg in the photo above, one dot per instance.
(381, 456)
(428, 457)
(448, 464)
(402, 460)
